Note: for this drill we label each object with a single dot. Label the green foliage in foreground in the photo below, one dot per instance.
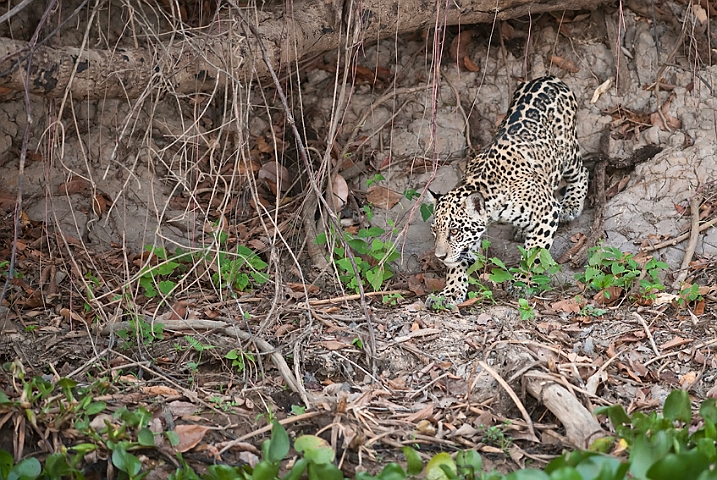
(658, 447)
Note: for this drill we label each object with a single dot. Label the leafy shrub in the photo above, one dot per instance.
(371, 255)
(609, 267)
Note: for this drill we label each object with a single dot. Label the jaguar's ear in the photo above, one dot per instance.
(434, 197)
(474, 204)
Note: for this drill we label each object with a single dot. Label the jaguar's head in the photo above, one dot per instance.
(459, 223)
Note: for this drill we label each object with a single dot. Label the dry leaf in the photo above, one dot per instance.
(299, 287)
(76, 185)
(699, 13)
(160, 390)
(263, 145)
(434, 284)
(253, 166)
(179, 409)
(507, 30)
(460, 44)
(7, 200)
(604, 87)
(189, 436)
(423, 414)
(179, 310)
(699, 308)
(672, 122)
(68, 315)
(333, 344)
(364, 74)
(608, 295)
(275, 173)
(470, 66)
(565, 64)
(687, 380)
(382, 197)
(568, 305)
(424, 427)
(675, 342)
(340, 193)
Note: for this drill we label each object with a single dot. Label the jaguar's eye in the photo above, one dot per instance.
(454, 231)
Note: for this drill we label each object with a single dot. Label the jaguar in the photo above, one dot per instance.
(514, 179)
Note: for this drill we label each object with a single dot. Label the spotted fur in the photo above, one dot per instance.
(513, 180)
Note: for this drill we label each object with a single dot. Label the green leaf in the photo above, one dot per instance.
(6, 462)
(500, 275)
(647, 451)
(364, 476)
(166, 286)
(426, 211)
(370, 232)
(4, 399)
(414, 464)
(95, 407)
(297, 470)
(677, 406)
(125, 461)
(315, 449)
(688, 464)
(528, 474)
(324, 471)
(279, 446)
(265, 470)
(223, 472)
(145, 437)
(392, 471)
(172, 437)
(471, 460)
(320, 239)
(166, 268)
(616, 414)
(359, 245)
(28, 469)
(84, 448)
(708, 409)
(566, 473)
(56, 466)
(434, 470)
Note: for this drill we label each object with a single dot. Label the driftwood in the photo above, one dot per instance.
(581, 428)
(228, 50)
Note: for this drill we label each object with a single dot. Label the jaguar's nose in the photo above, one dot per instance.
(440, 252)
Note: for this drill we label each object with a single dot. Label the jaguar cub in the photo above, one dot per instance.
(513, 180)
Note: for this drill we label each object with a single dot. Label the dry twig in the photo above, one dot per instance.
(694, 236)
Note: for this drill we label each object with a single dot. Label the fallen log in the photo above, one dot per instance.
(197, 61)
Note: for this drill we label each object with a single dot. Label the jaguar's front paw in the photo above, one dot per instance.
(521, 287)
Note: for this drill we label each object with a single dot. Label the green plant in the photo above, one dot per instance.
(591, 311)
(370, 254)
(392, 298)
(141, 330)
(151, 276)
(410, 194)
(666, 446)
(526, 310)
(689, 294)
(236, 270)
(609, 267)
(375, 179)
(298, 409)
(495, 435)
(239, 359)
(532, 275)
